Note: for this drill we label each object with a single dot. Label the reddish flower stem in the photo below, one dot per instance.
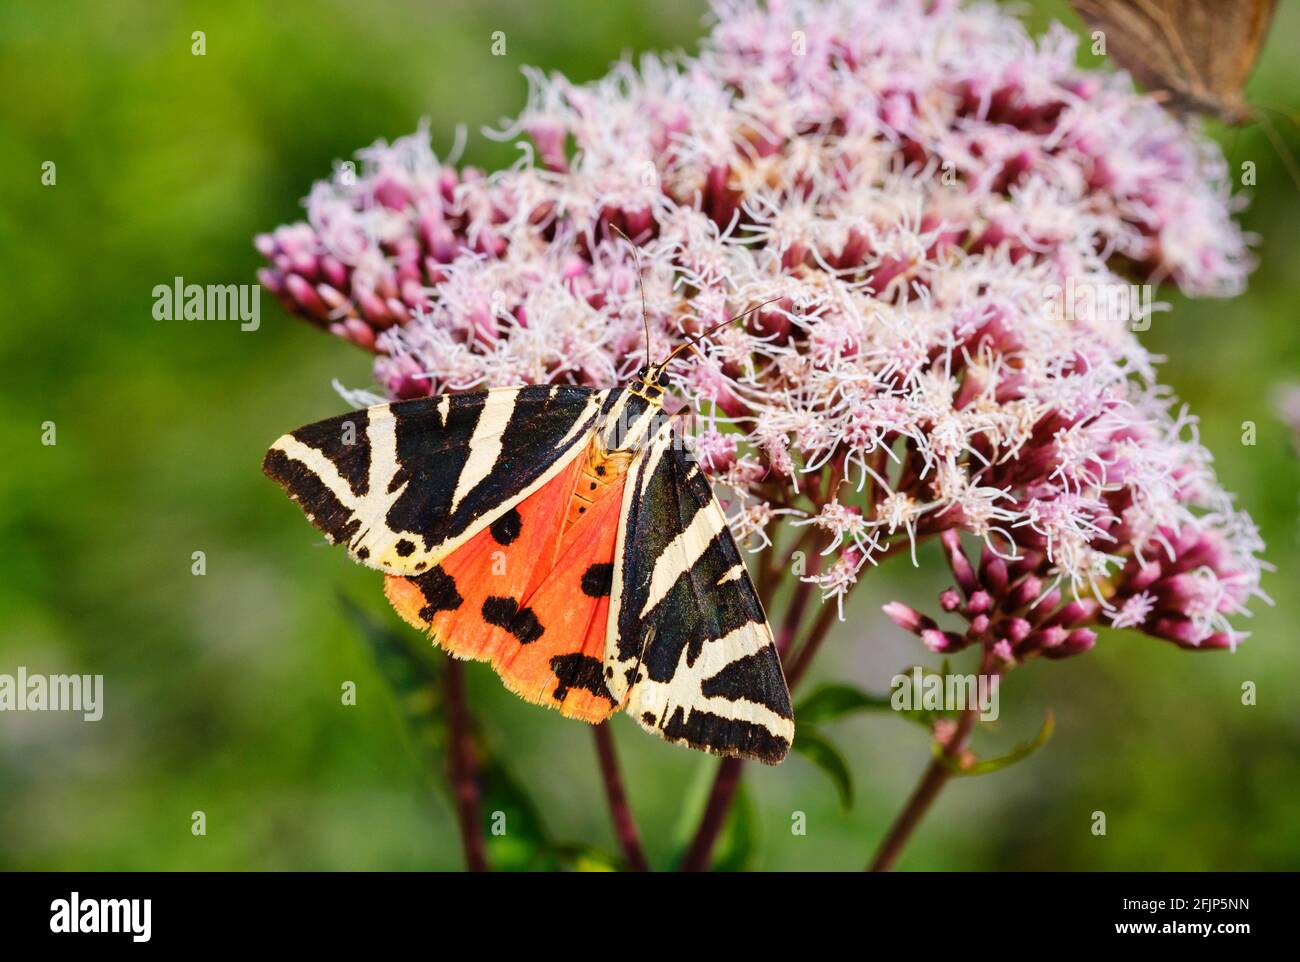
(726, 782)
(464, 774)
(927, 789)
(619, 810)
(794, 613)
(936, 775)
(804, 656)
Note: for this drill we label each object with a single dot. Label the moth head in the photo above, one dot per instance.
(651, 375)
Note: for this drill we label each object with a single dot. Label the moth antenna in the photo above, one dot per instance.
(695, 339)
(640, 281)
(1286, 113)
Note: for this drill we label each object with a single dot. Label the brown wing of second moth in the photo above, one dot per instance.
(1198, 53)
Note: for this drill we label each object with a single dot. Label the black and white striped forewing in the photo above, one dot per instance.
(689, 645)
(405, 484)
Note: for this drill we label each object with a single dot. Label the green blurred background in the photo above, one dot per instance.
(222, 691)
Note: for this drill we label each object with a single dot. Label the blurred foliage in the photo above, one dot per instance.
(987, 766)
(223, 691)
(515, 832)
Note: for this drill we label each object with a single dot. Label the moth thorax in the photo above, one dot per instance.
(648, 390)
(600, 469)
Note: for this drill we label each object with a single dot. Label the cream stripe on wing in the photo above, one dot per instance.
(485, 445)
(319, 465)
(680, 555)
(580, 425)
(636, 432)
(733, 575)
(381, 432)
(639, 473)
(638, 427)
(685, 688)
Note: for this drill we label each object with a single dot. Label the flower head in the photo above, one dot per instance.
(907, 187)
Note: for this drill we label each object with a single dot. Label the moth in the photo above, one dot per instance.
(564, 535)
(1198, 54)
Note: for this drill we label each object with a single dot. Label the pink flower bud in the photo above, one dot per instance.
(942, 641)
(908, 618)
(1076, 643)
(957, 561)
(979, 603)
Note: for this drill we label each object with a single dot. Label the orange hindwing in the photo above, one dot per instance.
(530, 593)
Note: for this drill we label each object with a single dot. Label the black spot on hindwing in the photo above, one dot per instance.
(579, 671)
(505, 613)
(597, 580)
(506, 528)
(439, 590)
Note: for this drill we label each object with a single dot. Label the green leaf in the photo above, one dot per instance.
(515, 834)
(829, 702)
(819, 750)
(579, 857)
(413, 670)
(1017, 754)
(414, 676)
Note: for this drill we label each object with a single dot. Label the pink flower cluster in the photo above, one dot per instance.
(913, 184)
